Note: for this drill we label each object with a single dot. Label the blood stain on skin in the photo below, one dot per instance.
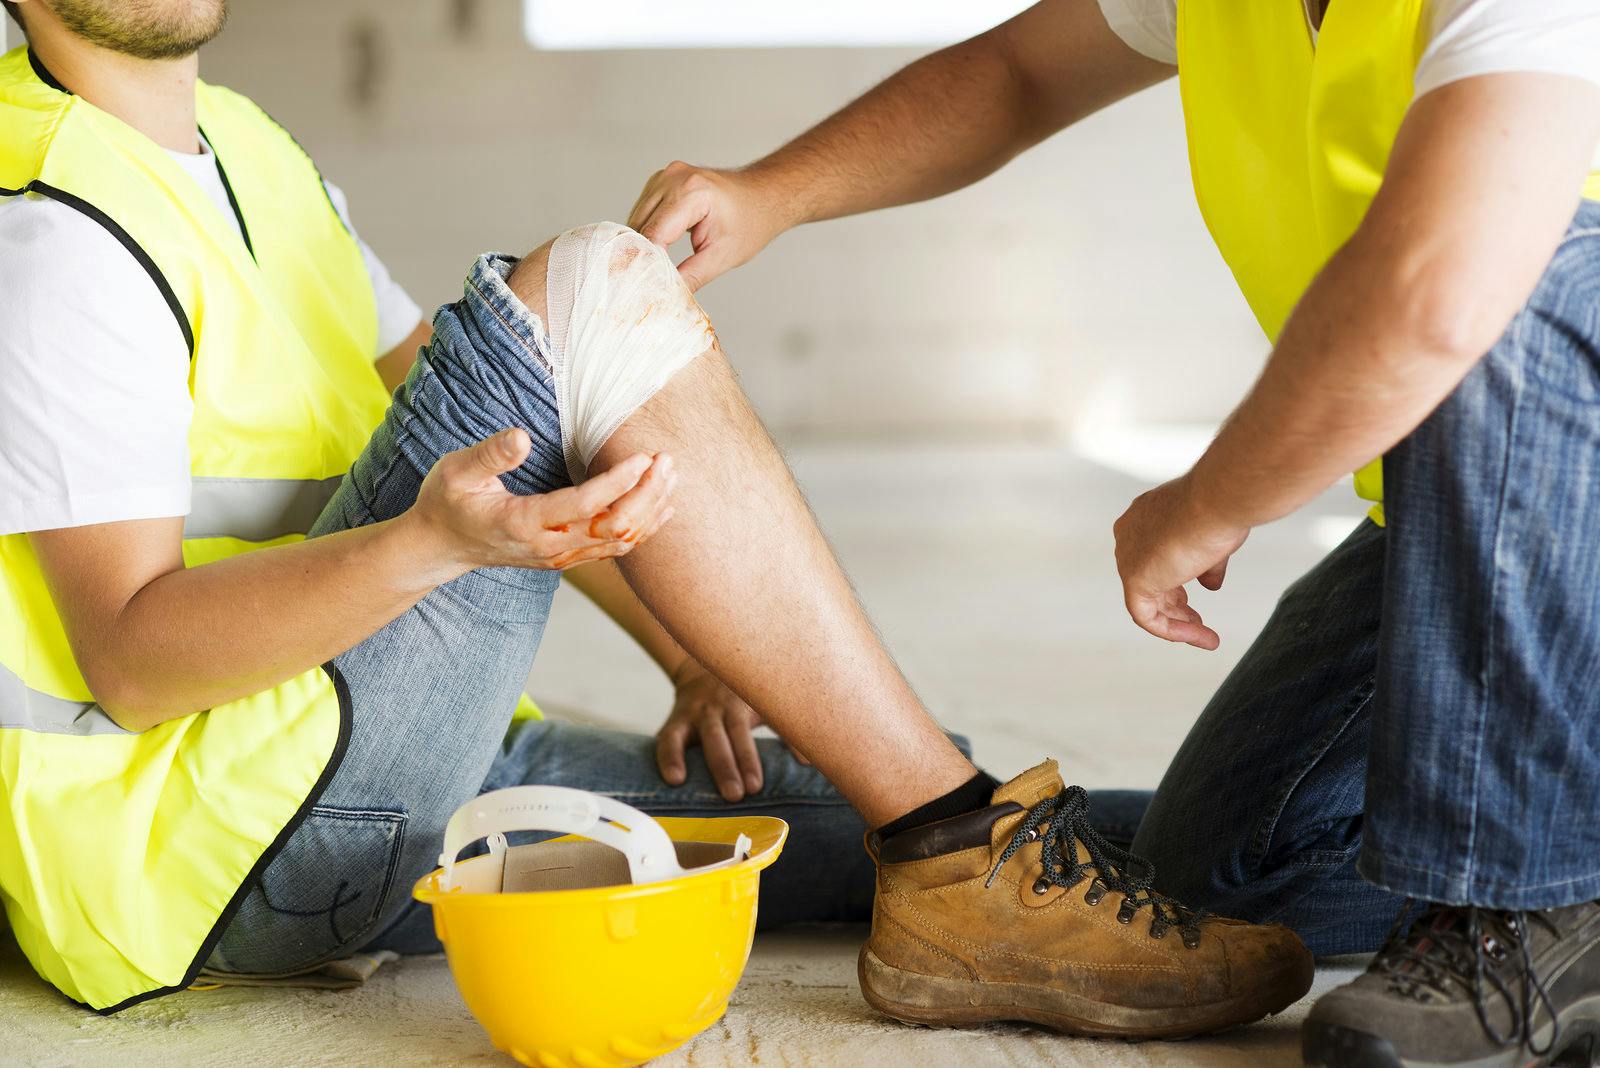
(564, 528)
(594, 525)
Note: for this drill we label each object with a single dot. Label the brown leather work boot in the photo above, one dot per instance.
(1021, 911)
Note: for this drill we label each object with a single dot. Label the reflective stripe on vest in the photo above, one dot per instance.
(27, 709)
(1289, 133)
(255, 509)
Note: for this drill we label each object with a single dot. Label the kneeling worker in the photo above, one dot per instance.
(224, 743)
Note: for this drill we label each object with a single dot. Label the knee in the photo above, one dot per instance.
(528, 279)
(619, 322)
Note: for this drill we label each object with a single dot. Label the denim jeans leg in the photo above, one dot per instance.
(824, 873)
(1485, 772)
(432, 692)
(1259, 815)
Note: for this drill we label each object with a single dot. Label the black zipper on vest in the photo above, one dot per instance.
(111, 226)
(227, 187)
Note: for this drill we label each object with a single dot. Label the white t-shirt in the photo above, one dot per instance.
(94, 371)
(1466, 38)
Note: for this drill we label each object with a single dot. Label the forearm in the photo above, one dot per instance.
(1353, 373)
(197, 637)
(602, 583)
(938, 125)
(959, 114)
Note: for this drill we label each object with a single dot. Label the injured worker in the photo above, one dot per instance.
(265, 626)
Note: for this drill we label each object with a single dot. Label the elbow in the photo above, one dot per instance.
(1451, 320)
(124, 696)
(1443, 306)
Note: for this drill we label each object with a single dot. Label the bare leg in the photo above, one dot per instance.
(744, 580)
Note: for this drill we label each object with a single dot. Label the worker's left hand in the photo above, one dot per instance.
(708, 714)
(1164, 540)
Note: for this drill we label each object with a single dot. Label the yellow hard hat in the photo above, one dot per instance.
(609, 946)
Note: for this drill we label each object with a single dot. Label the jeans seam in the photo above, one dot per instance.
(1486, 669)
(516, 334)
(1466, 885)
(1261, 841)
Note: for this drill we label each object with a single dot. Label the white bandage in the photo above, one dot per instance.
(621, 323)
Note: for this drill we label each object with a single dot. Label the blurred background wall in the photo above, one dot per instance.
(1071, 293)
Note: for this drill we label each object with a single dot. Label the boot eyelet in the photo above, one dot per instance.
(1191, 939)
(1125, 914)
(1041, 886)
(1031, 836)
(1095, 894)
(1157, 931)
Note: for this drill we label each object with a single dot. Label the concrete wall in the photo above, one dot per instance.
(1078, 280)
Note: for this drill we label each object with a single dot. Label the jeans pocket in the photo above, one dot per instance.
(323, 892)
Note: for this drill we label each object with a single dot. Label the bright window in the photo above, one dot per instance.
(607, 24)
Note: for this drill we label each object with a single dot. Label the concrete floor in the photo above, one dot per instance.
(988, 570)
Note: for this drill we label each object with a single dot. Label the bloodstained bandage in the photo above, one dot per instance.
(621, 323)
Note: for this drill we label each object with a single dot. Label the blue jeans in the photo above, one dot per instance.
(1421, 715)
(432, 693)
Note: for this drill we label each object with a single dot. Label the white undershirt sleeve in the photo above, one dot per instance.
(94, 391)
(1149, 27)
(1473, 37)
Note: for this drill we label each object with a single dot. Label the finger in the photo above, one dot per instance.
(493, 456)
(1149, 615)
(720, 760)
(637, 509)
(746, 752)
(673, 218)
(584, 502)
(700, 268)
(670, 744)
(645, 202)
(1212, 579)
(586, 554)
(661, 520)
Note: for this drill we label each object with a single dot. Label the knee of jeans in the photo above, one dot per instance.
(620, 323)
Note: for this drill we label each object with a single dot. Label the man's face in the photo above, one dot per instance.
(145, 29)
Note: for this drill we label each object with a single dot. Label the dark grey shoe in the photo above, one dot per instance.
(1469, 988)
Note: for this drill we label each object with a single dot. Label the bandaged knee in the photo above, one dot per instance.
(620, 324)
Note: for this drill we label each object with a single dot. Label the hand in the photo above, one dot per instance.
(707, 713)
(1163, 541)
(728, 215)
(474, 521)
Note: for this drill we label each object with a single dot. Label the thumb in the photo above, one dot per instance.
(697, 270)
(496, 455)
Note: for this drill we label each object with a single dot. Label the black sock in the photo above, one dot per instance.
(970, 796)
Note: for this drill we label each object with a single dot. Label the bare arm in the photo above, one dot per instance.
(156, 640)
(942, 123)
(394, 365)
(1482, 182)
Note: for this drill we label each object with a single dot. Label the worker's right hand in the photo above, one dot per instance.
(729, 217)
(473, 521)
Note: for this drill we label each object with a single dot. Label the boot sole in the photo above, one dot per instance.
(937, 1001)
(1325, 1045)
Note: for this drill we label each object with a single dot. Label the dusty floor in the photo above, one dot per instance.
(988, 571)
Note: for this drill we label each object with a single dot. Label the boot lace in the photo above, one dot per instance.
(1466, 949)
(1059, 821)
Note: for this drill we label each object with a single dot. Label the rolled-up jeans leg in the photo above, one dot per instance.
(432, 692)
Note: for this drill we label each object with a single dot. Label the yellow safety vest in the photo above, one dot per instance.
(122, 856)
(1288, 139)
